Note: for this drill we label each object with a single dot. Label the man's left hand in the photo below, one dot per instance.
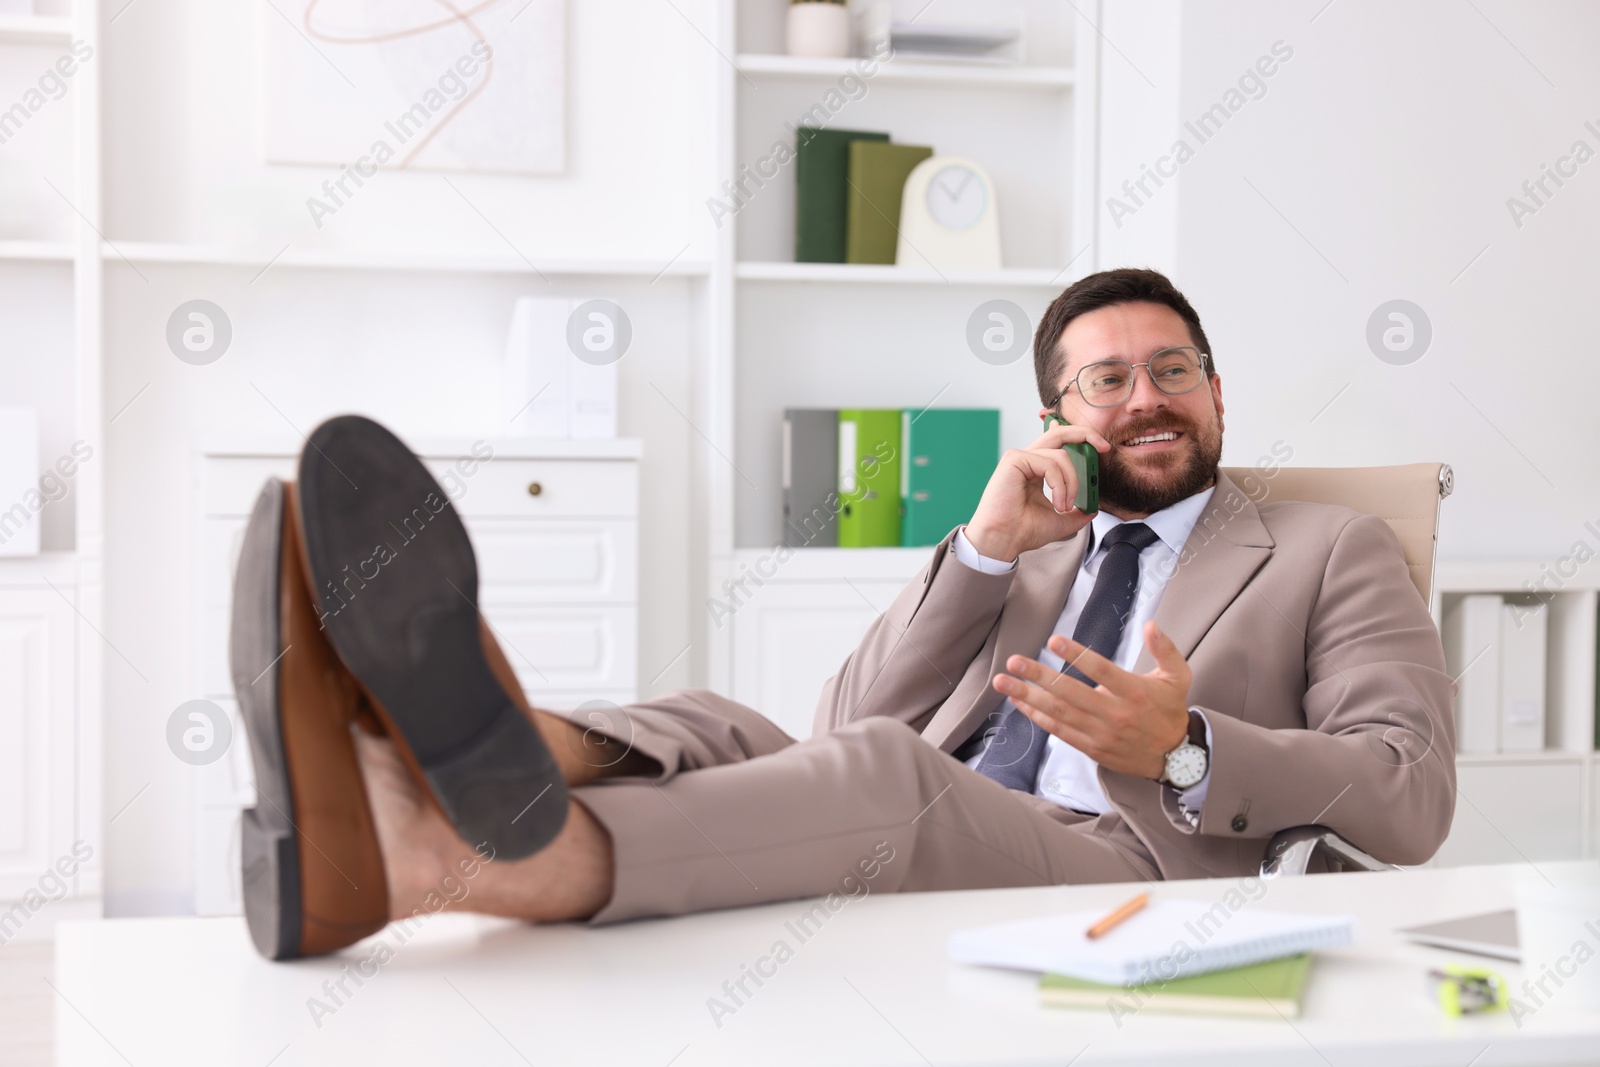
(1127, 723)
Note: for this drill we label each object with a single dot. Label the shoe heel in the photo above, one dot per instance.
(271, 886)
(490, 789)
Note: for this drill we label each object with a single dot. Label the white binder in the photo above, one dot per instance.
(1523, 635)
(1472, 656)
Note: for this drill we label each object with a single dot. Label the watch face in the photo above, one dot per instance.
(1186, 765)
(957, 197)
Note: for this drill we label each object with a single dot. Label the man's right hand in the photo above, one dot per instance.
(1014, 516)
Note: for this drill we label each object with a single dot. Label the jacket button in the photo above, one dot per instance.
(1240, 824)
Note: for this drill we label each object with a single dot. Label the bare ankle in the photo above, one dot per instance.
(572, 878)
(585, 754)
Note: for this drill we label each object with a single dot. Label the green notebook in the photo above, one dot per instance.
(1274, 989)
(869, 477)
(878, 174)
(822, 161)
(947, 456)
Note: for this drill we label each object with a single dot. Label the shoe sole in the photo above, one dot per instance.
(396, 582)
(311, 804)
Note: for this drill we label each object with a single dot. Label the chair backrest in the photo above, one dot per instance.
(1406, 497)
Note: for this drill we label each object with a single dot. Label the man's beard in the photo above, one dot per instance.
(1145, 488)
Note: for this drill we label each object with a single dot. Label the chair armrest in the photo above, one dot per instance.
(1289, 852)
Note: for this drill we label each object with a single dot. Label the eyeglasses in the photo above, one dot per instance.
(1109, 382)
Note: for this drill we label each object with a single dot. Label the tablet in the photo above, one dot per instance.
(1493, 933)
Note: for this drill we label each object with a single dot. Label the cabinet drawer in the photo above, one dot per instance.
(577, 648)
(556, 560)
(528, 561)
(500, 488)
(550, 648)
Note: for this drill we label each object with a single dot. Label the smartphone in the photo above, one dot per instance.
(1085, 464)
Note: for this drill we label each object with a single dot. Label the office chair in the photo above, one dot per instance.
(1407, 498)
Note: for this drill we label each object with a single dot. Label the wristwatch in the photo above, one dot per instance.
(1186, 765)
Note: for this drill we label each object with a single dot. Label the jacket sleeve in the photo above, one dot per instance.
(914, 654)
(1376, 761)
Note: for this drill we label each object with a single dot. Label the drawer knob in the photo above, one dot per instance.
(534, 488)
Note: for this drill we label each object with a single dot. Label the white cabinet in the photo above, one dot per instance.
(1517, 811)
(787, 635)
(39, 728)
(555, 527)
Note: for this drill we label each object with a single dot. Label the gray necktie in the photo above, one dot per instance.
(1016, 751)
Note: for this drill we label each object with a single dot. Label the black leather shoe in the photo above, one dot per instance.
(396, 584)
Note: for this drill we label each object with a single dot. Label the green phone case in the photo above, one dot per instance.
(1086, 465)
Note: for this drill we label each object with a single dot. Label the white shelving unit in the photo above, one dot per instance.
(143, 253)
(36, 29)
(1534, 805)
(892, 336)
(51, 605)
(921, 72)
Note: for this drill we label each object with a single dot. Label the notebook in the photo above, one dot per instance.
(1168, 939)
(1274, 989)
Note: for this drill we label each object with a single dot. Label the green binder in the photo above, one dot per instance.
(878, 174)
(869, 477)
(946, 458)
(822, 161)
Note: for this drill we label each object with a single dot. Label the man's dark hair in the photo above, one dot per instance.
(1125, 285)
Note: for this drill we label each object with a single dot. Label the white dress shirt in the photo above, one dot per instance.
(1067, 776)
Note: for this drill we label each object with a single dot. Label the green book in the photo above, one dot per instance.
(946, 458)
(877, 177)
(869, 477)
(1274, 989)
(822, 161)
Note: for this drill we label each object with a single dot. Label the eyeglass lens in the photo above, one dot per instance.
(1174, 370)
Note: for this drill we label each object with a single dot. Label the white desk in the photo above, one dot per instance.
(872, 986)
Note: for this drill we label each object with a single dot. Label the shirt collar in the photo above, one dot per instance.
(1172, 524)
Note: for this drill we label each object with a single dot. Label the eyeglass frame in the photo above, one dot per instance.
(1133, 372)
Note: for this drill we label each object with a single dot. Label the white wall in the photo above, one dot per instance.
(418, 350)
(1140, 44)
(1390, 143)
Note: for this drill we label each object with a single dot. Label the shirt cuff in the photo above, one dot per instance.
(1191, 800)
(978, 562)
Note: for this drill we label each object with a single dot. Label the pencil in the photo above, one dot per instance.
(1101, 928)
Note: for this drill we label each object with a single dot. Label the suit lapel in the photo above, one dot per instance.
(1227, 546)
(1033, 605)
(1224, 550)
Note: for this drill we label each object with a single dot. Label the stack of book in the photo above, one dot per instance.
(875, 477)
(849, 188)
(1175, 955)
(1495, 649)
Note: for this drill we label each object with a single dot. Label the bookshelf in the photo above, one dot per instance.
(891, 336)
(51, 605)
(1540, 804)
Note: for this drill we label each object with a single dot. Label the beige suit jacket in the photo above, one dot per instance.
(1313, 656)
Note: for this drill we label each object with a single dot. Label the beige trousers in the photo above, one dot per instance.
(742, 814)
